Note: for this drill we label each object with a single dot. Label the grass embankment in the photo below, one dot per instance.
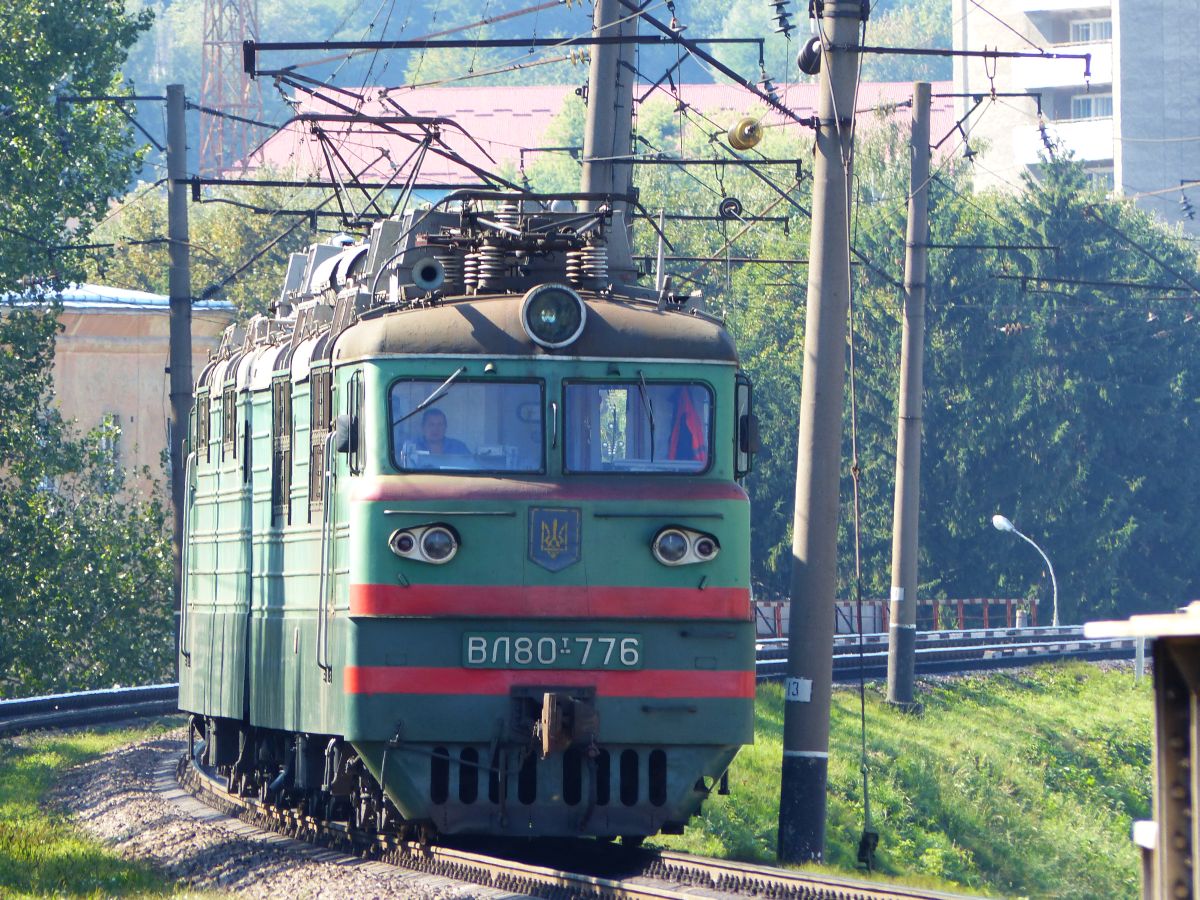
(41, 852)
(1018, 784)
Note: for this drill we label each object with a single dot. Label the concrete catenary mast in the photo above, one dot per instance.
(822, 396)
(607, 134)
(902, 632)
(179, 359)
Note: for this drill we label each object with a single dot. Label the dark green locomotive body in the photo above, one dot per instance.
(492, 624)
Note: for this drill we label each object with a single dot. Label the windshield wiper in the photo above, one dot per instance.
(649, 407)
(438, 393)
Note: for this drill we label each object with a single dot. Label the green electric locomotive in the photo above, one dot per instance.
(466, 549)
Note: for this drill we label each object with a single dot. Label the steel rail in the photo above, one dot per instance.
(597, 870)
(769, 647)
(87, 708)
(974, 657)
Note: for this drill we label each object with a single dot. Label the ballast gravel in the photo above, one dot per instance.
(129, 799)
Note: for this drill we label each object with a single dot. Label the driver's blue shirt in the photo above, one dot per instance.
(450, 446)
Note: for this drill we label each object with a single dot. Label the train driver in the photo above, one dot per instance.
(432, 438)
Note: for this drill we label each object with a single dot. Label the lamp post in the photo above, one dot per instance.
(1002, 524)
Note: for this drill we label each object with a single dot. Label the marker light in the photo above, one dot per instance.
(553, 315)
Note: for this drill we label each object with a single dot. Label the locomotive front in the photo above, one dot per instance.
(546, 623)
(466, 546)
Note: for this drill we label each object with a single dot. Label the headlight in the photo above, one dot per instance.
(670, 547)
(553, 315)
(675, 546)
(434, 544)
(439, 544)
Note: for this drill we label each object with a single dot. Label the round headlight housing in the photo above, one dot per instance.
(676, 545)
(670, 546)
(438, 544)
(553, 315)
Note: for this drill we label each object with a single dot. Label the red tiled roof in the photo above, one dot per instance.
(503, 121)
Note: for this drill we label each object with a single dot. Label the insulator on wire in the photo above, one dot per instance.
(1185, 206)
(1047, 141)
(783, 24)
(730, 208)
(745, 133)
(809, 59)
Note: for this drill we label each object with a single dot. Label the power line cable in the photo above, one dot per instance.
(988, 12)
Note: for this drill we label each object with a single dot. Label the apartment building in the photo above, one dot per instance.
(1132, 116)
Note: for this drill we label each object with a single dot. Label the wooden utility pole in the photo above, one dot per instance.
(814, 544)
(607, 132)
(902, 632)
(179, 359)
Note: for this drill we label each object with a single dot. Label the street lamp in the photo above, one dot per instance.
(1002, 524)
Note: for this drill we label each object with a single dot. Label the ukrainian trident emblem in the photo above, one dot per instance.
(554, 537)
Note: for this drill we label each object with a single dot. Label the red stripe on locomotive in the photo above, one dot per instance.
(550, 601)
(656, 683)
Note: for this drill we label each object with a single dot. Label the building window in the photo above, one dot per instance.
(1086, 31)
(1091, 106)
(109, 445)
(1101, 180)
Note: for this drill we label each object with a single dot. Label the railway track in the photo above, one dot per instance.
(947, 652)
(585, 869)
(87, 708)
(558, 870)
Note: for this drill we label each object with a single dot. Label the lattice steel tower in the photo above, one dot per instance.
(226, 142)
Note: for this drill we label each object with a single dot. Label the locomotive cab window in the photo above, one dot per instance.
(638, 426)
(454, 425)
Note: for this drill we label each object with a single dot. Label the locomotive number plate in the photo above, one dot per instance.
(509, 650)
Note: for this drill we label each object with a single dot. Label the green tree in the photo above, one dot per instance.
(909, 24)
(1031, 387)
(239, 246)
(59, 160)
(83, 601)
